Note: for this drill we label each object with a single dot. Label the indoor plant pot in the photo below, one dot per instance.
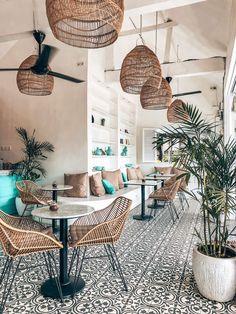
(206, 156)
(215, 276)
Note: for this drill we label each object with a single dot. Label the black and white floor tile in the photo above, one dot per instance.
(156, 260)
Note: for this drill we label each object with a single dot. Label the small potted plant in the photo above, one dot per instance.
(205, 156)
(30, 166)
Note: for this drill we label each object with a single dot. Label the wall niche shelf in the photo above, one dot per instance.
(119, 114)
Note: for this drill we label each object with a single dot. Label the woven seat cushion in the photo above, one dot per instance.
(77, 232)
(79, 181)
(96, 185)
(131, 174)
(114, 177)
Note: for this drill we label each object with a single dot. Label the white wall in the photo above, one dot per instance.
(59, 118)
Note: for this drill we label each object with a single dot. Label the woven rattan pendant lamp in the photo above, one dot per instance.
(172, 115)
(140, 64)
(32, 84)
(154, 98)
(85, 23)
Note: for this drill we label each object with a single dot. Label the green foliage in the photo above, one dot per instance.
(205, 156)
(30, 167)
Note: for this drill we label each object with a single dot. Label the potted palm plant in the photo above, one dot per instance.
(205, 156)
(30, 166)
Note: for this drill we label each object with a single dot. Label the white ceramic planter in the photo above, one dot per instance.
(215, 277)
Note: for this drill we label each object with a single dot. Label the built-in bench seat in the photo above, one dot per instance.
(131, 192)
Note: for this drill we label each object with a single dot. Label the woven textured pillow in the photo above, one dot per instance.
(79, 181)
(139, 173)
(131, 174)
(113, 177)
(96, 185)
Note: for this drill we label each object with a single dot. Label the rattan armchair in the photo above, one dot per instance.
(182, 188)
(17, 243)
(32, 194)
(103, 227)
(167, 195)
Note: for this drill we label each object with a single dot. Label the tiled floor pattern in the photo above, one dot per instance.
(156, 260)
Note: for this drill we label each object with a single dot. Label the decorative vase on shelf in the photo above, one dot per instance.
(103, 121)
(109, 151)
(124, 151)
(98, 152)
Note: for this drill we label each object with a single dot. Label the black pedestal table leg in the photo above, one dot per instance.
(142, 216)
(69, 285)
(54, 197)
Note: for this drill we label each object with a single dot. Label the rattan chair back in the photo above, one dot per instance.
(31, 193)
(102, 226)
(19, 242)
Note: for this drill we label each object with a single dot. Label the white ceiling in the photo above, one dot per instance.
(202, 32)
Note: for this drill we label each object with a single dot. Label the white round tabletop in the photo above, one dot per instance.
(65, 211)
(59, 187)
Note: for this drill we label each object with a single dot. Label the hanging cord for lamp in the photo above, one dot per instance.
(141, 26)
(156, 33)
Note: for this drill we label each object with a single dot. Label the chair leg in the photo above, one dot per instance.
(55, 273)
(174, 208)
(72, 260)
(78, 268)
(110, 258)
(171, 212)
(181, 200)
(24, 210)
(7, 290)
(117, 263)
(186, 200)
(5, 268)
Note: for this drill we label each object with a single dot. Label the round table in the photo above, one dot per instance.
(55, 190)
(65, 212)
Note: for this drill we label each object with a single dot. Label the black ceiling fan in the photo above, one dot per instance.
(41, 66)
(169, 79)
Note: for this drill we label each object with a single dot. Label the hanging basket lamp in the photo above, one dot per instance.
(172, 115)
(85, 23)
(139, 65)
(154, 98)
(32, 84)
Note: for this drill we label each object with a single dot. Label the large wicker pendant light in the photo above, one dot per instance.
(32, 84)
(85, 23)
(154, 98)
(139, 65)
(172, 115)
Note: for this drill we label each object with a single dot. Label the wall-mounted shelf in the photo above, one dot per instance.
(103, 156)
(103, 113)
(103, 142)
(105, 128)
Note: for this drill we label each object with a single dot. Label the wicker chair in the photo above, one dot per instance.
(103, 227)
(182, 187)
(31, 194)
(16, 243)
(167, 195)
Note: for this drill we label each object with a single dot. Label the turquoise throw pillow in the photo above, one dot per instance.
(125, 179)
(109, 188)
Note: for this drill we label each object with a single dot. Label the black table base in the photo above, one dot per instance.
(49, 288)
(142, 217)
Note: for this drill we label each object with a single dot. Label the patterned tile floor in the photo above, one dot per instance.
(156, 260)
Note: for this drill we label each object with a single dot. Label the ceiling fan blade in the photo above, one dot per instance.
(41, 65)
(187, 93)
(65, 77)
(13, 69)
